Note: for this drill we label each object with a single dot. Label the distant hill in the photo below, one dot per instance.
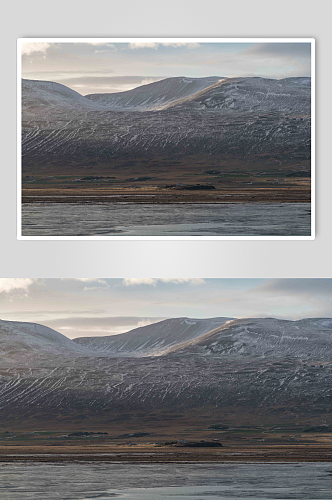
(39, 96)
(154, 95)
(152, 340)
(252, 94)
(21, 342)
(265, 338)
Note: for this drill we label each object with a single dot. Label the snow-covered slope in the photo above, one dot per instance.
(297, 80)
(39, 95)
(252, 94)
(152, 340)
(266, 338)
(22, 341)
(153, 95)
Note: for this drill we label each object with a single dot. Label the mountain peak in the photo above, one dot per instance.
(153, 96)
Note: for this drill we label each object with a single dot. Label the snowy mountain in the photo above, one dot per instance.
(263, 365)
(152, 340)
(39, 96)
(239, 118)
(252, 94)
(22, 342)
(265, 338)
(155, 95)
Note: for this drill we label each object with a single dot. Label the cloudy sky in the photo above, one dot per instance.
(114, 67)
(89, 307)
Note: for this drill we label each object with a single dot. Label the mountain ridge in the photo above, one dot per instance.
(37, 95)
(252, 93)
(258, 365)
(153, 96)
(154, 339)
(28, 339)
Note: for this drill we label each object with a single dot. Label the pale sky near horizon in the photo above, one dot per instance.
(115, 67)
(102, 306)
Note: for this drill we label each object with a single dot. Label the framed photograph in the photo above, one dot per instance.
(166, 138)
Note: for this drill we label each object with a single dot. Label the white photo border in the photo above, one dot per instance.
(162, 40)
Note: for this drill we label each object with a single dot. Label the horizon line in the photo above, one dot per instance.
(161, 79)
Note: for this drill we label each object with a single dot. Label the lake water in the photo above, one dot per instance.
(126, 219)
(109, 481)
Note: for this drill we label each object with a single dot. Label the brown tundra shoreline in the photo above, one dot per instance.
(166, 196)
(151, 454)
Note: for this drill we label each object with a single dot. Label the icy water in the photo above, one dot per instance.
(108, 481)
(126, 219)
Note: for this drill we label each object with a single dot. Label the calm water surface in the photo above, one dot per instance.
(84, 481)
(126, 219)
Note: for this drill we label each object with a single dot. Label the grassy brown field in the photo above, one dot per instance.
(162, 437)
(237, 445)
(220, 180)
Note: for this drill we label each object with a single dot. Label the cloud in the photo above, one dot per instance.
(8, 285)
(29, 48)
(95, 282)
(281, 50)
(287, 298)
(154, 281)
(298, 286)
(99, 44)
(108, 47)
(102, 50)
(190, 45)
(85, 280)
(145, 81)
(146, 45)
(268, 60)
(143, 46)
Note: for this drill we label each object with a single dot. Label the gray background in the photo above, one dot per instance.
(159, 18)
